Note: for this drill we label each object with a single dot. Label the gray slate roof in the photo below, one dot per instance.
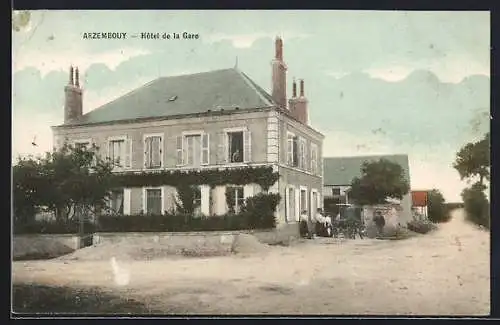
(341, 170)
(191, 94)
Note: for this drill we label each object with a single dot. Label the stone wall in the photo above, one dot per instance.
(199, 243)
(43, 246)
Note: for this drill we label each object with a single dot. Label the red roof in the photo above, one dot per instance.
(419, 198)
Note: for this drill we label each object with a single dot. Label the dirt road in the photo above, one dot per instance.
(443, 273)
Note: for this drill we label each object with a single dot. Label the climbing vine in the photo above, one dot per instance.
(264, 176)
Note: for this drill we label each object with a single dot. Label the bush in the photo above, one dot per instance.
(477, 207)
(170, 223)
(421, 226)
(52, 227)
(437, 209)
(259, 210)
(258, 213)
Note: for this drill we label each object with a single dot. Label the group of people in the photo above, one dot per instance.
(309, 227)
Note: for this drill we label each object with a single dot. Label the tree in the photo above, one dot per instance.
(473, 160)
(477, 207)
(64, 182)
(379, 181)
(436, 207)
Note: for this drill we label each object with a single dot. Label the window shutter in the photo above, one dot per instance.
(147, 150)
(295, 155)
(180, 151)
(297, 205)
(222, 149)
(128, 153)
(287, 204)
(110, 150)
(303, 164)
(160, 151)
(205, 148)
(126, 201)
(247, 146)
(289, 156)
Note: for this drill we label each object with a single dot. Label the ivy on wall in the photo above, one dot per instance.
(262, 175)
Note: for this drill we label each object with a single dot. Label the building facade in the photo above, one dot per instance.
(213, 120)
(339, 172)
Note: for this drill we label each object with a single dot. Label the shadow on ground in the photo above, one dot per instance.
(42, 299)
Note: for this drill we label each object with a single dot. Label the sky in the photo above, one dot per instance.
(378, 82)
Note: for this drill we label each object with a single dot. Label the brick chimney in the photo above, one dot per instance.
(279, 74)
(300, 111)
(73, 103)
(292, 101)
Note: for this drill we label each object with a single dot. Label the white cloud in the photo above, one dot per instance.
(392, 74)
(451, 69)
(47, 61)
(247, 40)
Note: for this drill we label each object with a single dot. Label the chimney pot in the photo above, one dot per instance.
(71, 82)
(77, 78)
(294, 89)
(301, 87)
(279, 48)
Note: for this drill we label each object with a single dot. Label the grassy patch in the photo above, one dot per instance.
(41, 299)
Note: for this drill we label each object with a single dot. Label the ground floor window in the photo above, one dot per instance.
(197, 201)
(115, 203)
(303, 201)
(153, 201)
(234, 198)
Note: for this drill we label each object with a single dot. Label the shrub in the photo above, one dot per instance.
(421, 226)
(258, 213)
(437, 209)
(171, 223)
(477, 207)
(52, 227)
(259, 210)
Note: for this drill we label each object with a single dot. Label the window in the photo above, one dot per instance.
(153, 151)
(291, 204)
(314, 158)
(292, 153)
(119, 151)
(116, 201)
(197, 201)
(336, 191)
(302, 153)
(193, 149)
(303, 200)
(235, 199)
(153, 201)
(82, 145)
(234, 146)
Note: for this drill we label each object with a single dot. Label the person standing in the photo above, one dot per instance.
(304, 226)
(379, 221)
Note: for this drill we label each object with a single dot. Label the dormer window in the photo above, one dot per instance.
(171, 99)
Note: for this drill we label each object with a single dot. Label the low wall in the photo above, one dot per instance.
(203, 243)
(197, 243)
(43, 246)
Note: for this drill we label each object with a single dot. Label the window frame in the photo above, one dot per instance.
(314, 158)
(235, 188)
(246, 144)
(184, 146)
(145, 198)
(161, 149)
(125, 139)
